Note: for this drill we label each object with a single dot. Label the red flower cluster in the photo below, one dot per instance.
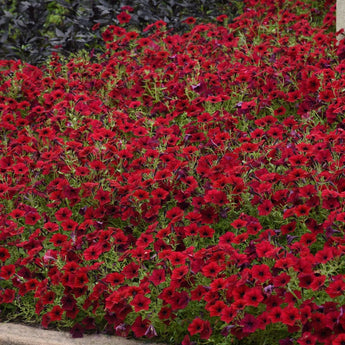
(188, 183)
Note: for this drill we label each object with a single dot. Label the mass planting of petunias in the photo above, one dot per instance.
(182, 188)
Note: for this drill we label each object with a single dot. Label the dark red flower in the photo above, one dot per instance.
(179, 300)
(265, 208)
(140, 326)
(131, 270)
(190, 20)
(302, 210)
(228, 314)
(253, 296)
(196, 326)
(77, 331)
(275, 314)
(261, 272)
(290, 315)
(108, 35)
(165, 313)
(69, 225)
(114, 278)
(59, 240)
(93, 252)
(140, 302)
(157, 277)
(216, 308)
(250, 323)
(63, 214)
(32, 218)
(4, 254)
(56, 313)
(307, 338)
(103, 197)
(336, 288)
(6, 272)
(339, 340)
(48, 298)
(211, 270)
(123, 17)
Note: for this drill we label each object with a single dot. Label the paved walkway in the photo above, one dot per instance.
(15, 334)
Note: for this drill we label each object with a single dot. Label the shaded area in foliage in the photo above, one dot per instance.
(32, 30)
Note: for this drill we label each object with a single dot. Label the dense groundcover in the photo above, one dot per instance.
(182, 188)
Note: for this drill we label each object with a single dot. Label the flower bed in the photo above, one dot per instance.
(188, 189)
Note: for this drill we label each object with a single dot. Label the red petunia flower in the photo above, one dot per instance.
(56, 313)
(198, 293)
(261, 272)
(160, 194)
(48, 297)
(32, 218)
(253, 296)
(4, 254)
(59, 240)
(68, 302)
(31, 285)
(175, 214)
(69, 225)
(288, 228)
(51, 227)
(290, 315)
(103, 197)
(46, 320)
(80, 279)
(16, 213)
(339, 340)
(123, 17)
(114, 278)
(7, 296)
(206, 232)
(98, 166)
(228, 314)
(197, 326)
(216, 197)
(179, 272)
(179, 300)
(216, 308)
(265, 208)
(140, 302)
(131, 270)
(302, 210)
(93, 252)
(190, 20)
(108, 35)
(140, 326)
(336, 288)
(63, 214)
(275, 314)
(157, 277)
(6, 272)
(20, 169)
(165, 313)
(141, 194)
(308, 338)
(250, 323)
(211, 270)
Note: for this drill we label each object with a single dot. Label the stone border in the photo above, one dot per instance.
(340, 15)
(16, 334)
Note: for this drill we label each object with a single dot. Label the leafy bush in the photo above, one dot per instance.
(32, 30)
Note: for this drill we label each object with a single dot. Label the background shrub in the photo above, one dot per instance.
(32, 30)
